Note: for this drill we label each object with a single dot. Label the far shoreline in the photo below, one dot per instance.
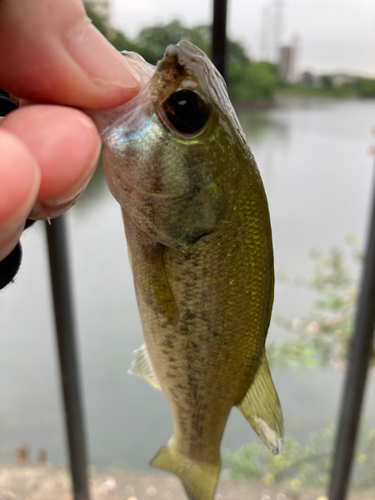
(46, 482)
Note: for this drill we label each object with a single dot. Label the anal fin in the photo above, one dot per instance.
(199, 479)
(261, 407)
(142, 367)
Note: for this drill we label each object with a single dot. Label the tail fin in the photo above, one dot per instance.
(199, 479)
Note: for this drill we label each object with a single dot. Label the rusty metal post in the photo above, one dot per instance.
(360, 354)
(219, 36)
(66, 342)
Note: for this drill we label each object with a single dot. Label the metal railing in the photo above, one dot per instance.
(66, 342)
(361, 351)
(360, 354)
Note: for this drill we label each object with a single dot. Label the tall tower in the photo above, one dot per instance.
(278, 25)
(287, 64)
(265, 33)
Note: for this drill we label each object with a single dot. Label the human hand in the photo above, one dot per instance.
(50, 53)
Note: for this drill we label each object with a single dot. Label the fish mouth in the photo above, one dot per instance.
(183, 49)
(181, 57)
(181, 62)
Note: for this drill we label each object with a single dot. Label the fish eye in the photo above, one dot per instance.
(186, 111)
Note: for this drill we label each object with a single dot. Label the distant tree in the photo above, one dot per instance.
(121, 42)
(97, 19)
(365, 87)
(326, 81)
(116, 37)
(153, 40)
(236, 53)
(201, 37)
(250, 81)
(246, 80)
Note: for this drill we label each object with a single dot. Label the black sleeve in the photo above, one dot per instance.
(11, 264)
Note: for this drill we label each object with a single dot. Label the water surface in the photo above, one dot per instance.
(313, 158)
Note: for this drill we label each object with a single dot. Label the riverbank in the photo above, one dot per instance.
(256, 105)
(47, 482)
(291, 95)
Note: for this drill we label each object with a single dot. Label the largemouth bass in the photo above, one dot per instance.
(199, 237)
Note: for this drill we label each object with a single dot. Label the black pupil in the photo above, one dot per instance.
(186, 111)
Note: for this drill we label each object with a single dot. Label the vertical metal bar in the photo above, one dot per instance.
(65, 330)
(219, 37)
(359, 359)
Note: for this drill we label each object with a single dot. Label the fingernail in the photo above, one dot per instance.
(92, 51)
(54, 207)
(50, 209)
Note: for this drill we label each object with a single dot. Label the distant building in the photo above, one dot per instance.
(103, 8)
(286, 64)
(341, 78)
(310, 80)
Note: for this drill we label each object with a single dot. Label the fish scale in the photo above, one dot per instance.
(199, 236)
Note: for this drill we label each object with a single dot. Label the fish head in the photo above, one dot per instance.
(169, 150)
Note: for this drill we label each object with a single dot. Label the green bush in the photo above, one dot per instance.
(320, 339)
(298, 465)
(323, 337)
(247, 81)
(366, 87)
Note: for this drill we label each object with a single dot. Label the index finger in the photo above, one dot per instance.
(52, 53)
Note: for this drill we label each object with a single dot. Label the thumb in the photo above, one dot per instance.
(50, 52)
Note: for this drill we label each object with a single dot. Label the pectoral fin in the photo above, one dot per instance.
(261, 407)
(141, 366)
(199, 479)
(150, 275)
(158, 289)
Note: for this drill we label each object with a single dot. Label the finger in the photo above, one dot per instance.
(66, 146)
(19, 186)
(50, 52)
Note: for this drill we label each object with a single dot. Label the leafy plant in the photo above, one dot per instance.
(299, 465)
(252, 80)
(365, 87)
(96, 19)
(323, 337)
(247, 80)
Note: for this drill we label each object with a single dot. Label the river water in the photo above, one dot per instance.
(313, 157)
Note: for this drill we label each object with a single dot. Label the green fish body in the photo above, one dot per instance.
(199, 236)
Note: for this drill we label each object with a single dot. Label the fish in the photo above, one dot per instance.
(199, 240)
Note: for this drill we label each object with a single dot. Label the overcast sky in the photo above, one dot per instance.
(334, 35)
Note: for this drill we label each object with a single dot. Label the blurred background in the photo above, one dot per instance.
(301, 75)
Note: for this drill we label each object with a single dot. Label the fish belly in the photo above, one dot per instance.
(205, 315)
